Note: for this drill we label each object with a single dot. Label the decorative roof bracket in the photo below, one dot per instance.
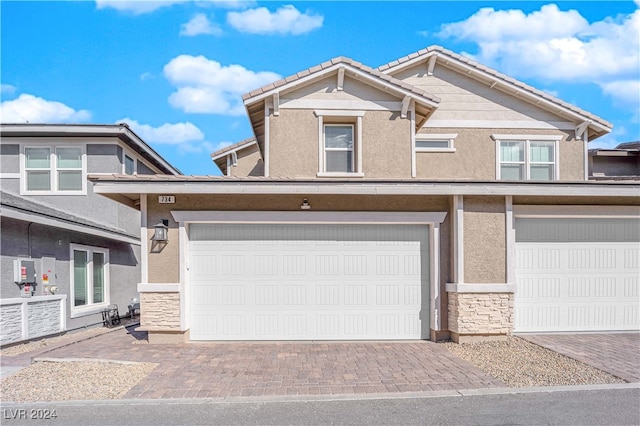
(582, 128)
(276, 103)
(340, 79)
(405, 106)
(431, 64)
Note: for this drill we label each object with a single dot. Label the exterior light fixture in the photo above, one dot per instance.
(161, 233)
(305, 205)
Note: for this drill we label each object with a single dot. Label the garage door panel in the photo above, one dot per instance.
(360, 285)
(573, 284)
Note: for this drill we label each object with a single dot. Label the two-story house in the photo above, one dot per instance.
(432, 197)
(84, 248)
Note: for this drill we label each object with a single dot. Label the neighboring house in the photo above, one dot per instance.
(85, 248)
(429, 198)
(619, 163)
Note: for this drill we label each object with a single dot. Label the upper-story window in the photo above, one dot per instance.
(129, 165)
(54, 170)
(435, 142)
(338, 148)
(339, 143)
(527, 157)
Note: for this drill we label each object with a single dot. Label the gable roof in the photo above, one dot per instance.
(121, 131)
(219, 157)
(254, 101)
(245, 143)
(597, 125)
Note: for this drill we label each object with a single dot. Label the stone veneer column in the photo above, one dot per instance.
(480, 315)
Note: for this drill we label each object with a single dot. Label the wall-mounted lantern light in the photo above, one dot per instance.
(161, 233)
(305, 205)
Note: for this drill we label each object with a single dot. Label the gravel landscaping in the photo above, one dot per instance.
(519, 363)
(71, 381)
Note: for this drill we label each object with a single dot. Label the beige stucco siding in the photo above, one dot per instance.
(475, 155)
(484, 240)
(294, 143)
(249, 163)
(386, 145)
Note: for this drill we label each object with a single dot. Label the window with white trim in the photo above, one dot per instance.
(435, 142)
(54, 170)
(340, 143)
(89, 279)
(534, 158)
(129, 165)
(338, 148)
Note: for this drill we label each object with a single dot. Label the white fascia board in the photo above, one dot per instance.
(573, 212)
(236, 149)
(365, 188)
(309, 217)
(371, 79)
(19, 215)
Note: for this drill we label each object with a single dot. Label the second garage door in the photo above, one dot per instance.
(577, 275)
(308, 282)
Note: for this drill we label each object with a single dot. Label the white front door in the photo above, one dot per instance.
(308, 282)
(577, 275)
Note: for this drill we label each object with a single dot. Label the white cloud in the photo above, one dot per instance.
(200, 24)
(285, 20)
(31, 109)
(226, 4)
(627, 91)
(555, 45)
(136, 7)
(206, 86)
(146, 76)
(7, 89)
(168, 134)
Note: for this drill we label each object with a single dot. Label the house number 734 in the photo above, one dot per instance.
(167, 199)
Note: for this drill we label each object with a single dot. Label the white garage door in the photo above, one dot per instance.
(577, 275)
(308, 282)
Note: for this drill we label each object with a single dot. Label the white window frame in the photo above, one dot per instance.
(339, 117)
(126, 154)
(448, 137)
(90, 307)
(527, 139)
(53, 170)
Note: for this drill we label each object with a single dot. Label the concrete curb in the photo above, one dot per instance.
(329, 398)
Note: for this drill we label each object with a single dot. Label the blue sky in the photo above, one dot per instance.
(175, 70)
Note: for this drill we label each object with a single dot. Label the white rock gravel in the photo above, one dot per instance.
(77, 380)
(519, 363)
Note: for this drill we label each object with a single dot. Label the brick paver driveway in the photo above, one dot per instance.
(219, 370)
(615, 353)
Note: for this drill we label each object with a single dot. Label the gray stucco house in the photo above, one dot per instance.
(85, 248)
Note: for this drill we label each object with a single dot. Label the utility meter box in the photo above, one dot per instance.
(24, 271)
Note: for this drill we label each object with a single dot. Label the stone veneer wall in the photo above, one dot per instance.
(481, 313)
(160, 311)
(10, 323)
(43, 318)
